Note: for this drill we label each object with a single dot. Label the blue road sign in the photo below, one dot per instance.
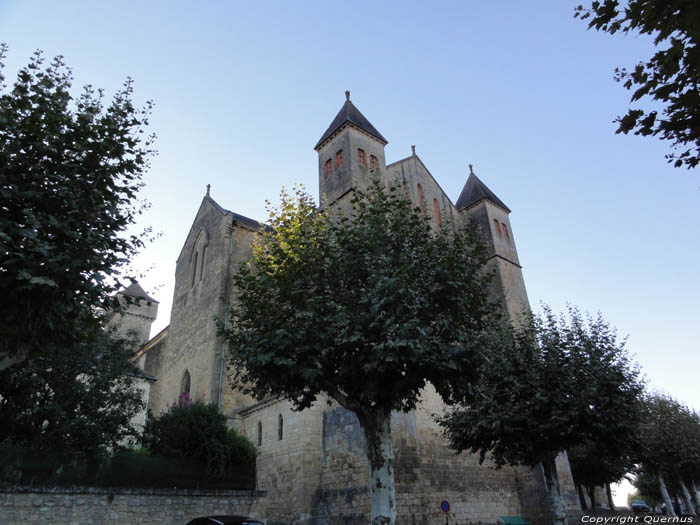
(445, 506)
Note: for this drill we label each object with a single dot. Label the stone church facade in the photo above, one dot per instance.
(313, 463)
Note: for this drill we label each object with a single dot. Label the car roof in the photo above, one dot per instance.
(223, 520)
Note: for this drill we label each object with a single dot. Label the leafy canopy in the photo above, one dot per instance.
(70, 170)
(197, 430)
(670, 78)
(670, 438)
(554, 384)
(367, 308)
(75, 403)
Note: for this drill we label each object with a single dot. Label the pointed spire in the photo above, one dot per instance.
(208, 188)
(350, 114)
(134, 290)
(413, 150)
(474, 191)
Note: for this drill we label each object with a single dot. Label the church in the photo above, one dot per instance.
(313, 463)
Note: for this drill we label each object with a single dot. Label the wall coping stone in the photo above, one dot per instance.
(23, 489)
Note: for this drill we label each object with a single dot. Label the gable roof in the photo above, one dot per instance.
(350, 114)
(135, 291)
(474, 191)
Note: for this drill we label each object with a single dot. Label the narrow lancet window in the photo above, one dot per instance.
(259, 433)
(373, 162)
(361, 157)
(421, 201)
(185, 385)
(436, 211)
(280, 427)
(194, 268)
(329, 167)
(339, 159)
(498, 226)
(505, 229)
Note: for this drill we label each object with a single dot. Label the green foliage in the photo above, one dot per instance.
(367, 308)
(197, 431)
(647, 488)
(670, 439)
(125, 468)
(552, 385)
(593, 466)
(76, 403)
(670, 78)
(70, 170)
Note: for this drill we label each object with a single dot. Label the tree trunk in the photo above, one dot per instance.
(581, 496)
(608, 491)
(690, 508)
(696, 496)
(591, 495)
(665, 496)
(556, 502)
(380, 453)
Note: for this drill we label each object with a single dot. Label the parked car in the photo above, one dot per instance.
(640, 506)
(225, 520)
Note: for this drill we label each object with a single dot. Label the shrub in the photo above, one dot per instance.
(197, 431)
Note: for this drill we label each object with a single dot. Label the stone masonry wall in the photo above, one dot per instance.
(89, 506)
(288, 469)
(427, 472)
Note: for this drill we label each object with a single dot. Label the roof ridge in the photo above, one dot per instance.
(475, 190)
(350, 114)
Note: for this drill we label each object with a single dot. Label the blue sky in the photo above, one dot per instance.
(521, 90)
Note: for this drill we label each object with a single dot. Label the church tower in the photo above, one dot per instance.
(350, 152)
(491, 216)
(137, 314)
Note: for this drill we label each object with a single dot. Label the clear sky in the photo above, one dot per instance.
(243, 90)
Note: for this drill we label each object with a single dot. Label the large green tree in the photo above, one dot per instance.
(367, 308)
(76, 404)
(670, 447)
(557, 384)
(593, 466)
(70, 169)
(669, 80)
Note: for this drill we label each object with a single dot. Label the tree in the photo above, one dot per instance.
(76, 404)
(592, 466)
(329, 299)
(553, 385)
(197, 430)
(670, 446)
(70, 170)
(647, 489)
(670, 78)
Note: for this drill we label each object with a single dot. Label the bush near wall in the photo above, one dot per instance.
(23, 466)
(197, 431)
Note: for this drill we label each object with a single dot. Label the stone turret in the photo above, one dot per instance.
(491, 216)
(138, 313)
(349, 153)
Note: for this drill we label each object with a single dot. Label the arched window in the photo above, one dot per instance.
(201, 268)
(436, 211)
(194, 268)
(505, 229)
(361, 157)
(185, 384)
(498, 226)
(280, 427)
(421, 201)
(339, 159)
(373, 162)
(259, 433)
(329, 167)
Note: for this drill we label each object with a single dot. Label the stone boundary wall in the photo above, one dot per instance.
(121, 506)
